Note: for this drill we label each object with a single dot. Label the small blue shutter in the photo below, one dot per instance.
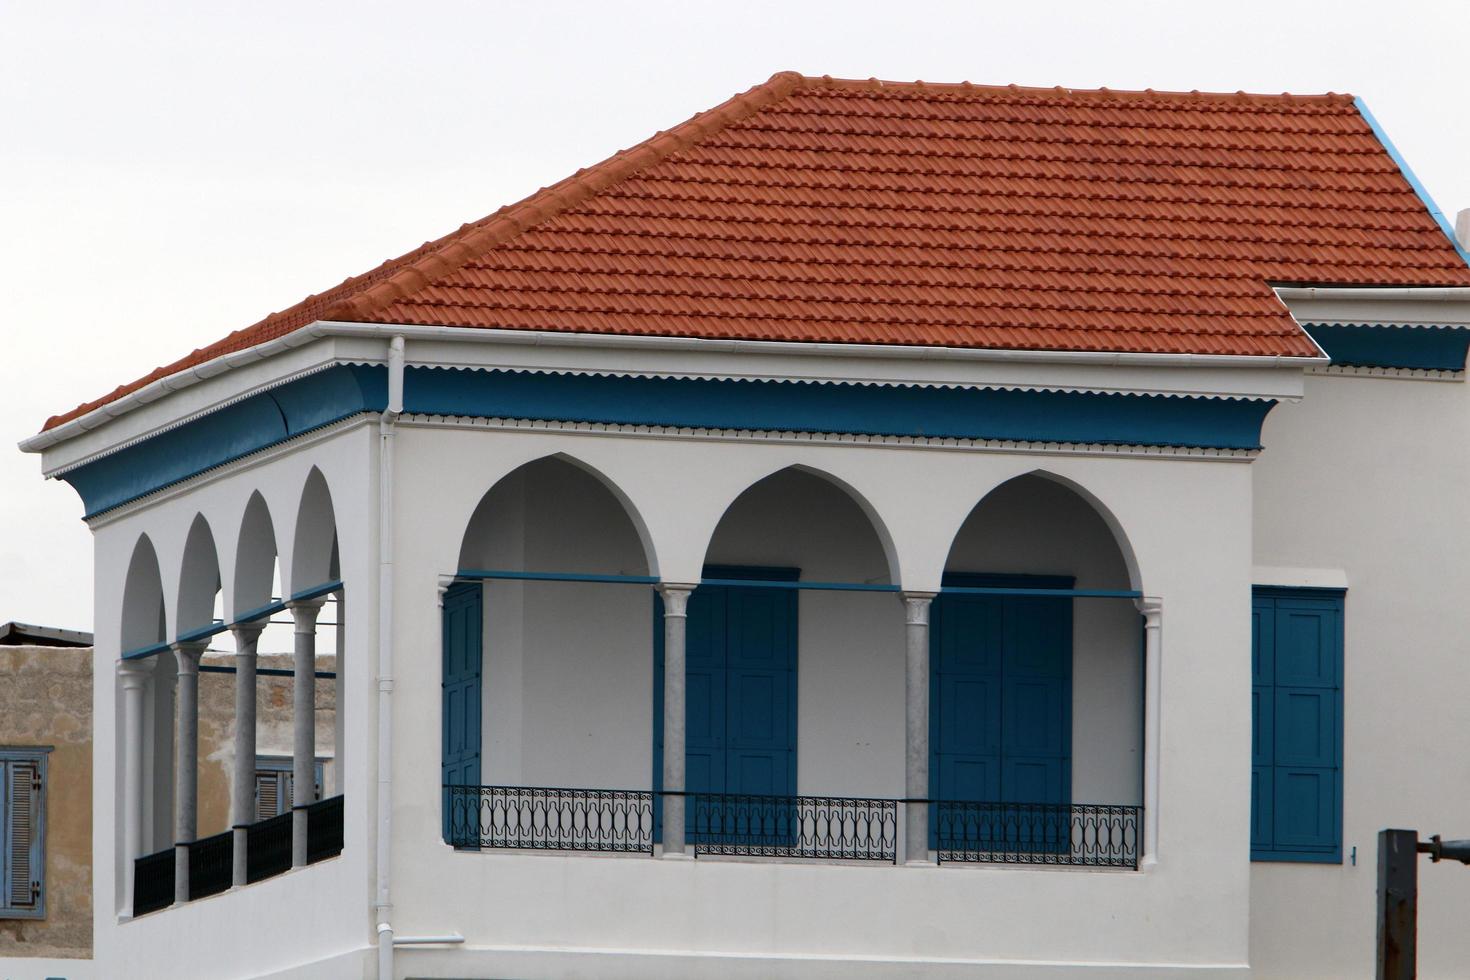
(22, 830)
(463, 640)
(1296, 785)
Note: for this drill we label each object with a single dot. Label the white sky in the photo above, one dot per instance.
(171, 172)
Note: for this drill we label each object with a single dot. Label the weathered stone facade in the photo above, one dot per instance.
(46, 700)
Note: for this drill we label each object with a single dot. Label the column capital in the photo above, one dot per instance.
(187, 654)
(133, 673)
(676, 598)
(246, 634)
(1152, 608)
(916, 607)
(305, 611)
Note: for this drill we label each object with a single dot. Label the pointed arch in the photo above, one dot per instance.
(199, 578)
(883, 539)
(583, 484)
(255, 557)
(315, 535)
(143, 614)
(1041, 521)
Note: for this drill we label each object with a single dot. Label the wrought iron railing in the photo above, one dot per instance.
(830, 827)
(324, 829)
(268, 848)
(211, 865)
(1086, 835)
(550, 819)
(153, 881)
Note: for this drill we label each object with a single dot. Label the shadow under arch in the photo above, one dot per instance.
(315, 537)
(874, 522)
(144, 619)
(199, 578)
(1093, 507)
(477, 541)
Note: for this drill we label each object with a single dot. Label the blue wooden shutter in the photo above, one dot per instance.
(463, 637)
(22, 819)
(1297, 662)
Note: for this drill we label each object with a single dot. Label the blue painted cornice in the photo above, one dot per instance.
(1426, 348)
(281, 413)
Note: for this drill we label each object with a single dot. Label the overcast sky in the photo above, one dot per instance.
(172, 172)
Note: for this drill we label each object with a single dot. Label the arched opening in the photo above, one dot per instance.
(316, 535)
(547, 683)
(199, 579)
(1036, 700)
(794, 691)
(143, 617)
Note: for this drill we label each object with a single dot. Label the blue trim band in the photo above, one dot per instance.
(274, 416)
(799, 406)
(263, 671)
(475, 575)
(232, 432)
(249, 616)
(1427, 348)
(1409, 175)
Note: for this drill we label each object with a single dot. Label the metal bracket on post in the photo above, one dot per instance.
(1398, 896)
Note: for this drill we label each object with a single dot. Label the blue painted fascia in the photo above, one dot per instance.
(232, 432)
(1409, 175)
(1427, 348)
(840, 408)
(289, 410)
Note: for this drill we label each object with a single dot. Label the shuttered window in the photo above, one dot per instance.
(1296, 724)
(273, 789)
(23, 833)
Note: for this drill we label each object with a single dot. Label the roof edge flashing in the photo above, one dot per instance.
(1408, 173)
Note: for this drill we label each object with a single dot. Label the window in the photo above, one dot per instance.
(1296, 724)
(23, 833)
(273, 790)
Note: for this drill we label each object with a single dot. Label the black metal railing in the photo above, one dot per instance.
(153, 881)
(550, 819)
(211, 865)
(830, 827)
(323, 829)
(268, 848)
(1085, 835)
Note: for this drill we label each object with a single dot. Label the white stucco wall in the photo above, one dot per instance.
(226, 935)
(710, 917)
(1365, 480)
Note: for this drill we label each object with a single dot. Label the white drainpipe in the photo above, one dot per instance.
(383, 905)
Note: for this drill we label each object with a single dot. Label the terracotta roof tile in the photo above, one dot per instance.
(818, 209)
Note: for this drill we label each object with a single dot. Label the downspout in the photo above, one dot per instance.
(383, 906)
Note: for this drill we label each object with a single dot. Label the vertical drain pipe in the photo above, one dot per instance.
(383, 906)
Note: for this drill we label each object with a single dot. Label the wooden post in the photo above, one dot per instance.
(1398, 903)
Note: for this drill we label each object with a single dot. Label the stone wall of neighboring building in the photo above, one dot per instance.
(46, 701)
(273, 729)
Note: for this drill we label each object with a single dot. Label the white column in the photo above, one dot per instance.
(339, 724)
(676, 605)
(242, 808)
(916, 723)
(1153, 618)
(303, 774)
(186, 766)
(134, 676)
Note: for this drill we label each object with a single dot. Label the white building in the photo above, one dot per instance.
(833, 538)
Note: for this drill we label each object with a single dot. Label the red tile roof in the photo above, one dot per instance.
(819, 209)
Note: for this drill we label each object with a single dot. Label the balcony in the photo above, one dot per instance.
(268, 853)
(793, 828)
